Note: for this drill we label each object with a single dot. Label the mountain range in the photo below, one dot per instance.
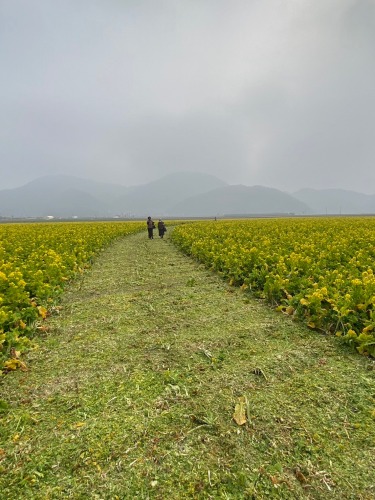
(185, 194)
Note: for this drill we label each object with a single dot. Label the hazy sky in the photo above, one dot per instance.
(273, 92)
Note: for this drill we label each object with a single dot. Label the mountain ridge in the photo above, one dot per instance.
(336, 201)
(177, 194)
(241, 199)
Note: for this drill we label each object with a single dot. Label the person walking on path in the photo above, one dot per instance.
(161, 228)
(150, 228)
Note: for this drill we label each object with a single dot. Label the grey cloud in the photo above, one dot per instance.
(320, 133)
(207, 142)
(256, 92)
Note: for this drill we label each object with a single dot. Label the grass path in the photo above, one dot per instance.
(131, 394)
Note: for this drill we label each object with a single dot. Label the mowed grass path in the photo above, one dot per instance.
(132, 391)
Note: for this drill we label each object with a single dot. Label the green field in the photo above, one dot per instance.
(156, 378)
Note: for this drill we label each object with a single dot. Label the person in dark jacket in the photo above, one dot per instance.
(161, 228)
(150, 228)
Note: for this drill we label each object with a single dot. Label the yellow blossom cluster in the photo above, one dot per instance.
(36, 259)
(320, 270)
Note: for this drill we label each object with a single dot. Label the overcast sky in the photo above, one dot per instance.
(273, 92)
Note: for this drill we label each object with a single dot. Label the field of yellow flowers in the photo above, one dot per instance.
(319, 270)
(36, 259)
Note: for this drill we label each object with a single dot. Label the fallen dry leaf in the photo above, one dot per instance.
(239, 415)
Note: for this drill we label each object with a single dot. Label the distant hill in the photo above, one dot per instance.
(188, 194)
(69, 196)
(231, 200)
(336, 201)
(58, 195)
(159, 196)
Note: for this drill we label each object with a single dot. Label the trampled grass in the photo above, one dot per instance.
(133, 390)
